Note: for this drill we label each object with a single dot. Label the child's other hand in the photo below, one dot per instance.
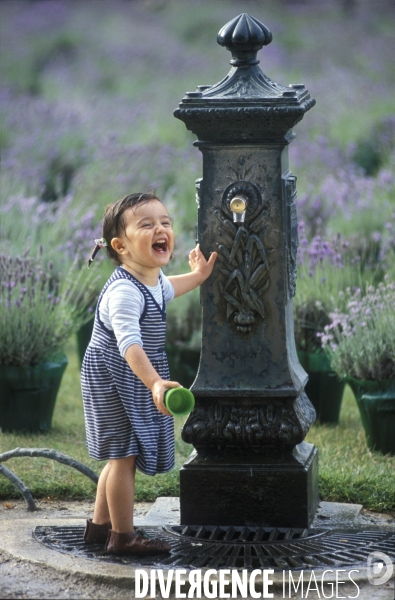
(199, 264)
(158, 394)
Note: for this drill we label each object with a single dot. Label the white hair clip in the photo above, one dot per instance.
(101, 242)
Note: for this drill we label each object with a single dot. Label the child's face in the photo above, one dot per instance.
(149, 239)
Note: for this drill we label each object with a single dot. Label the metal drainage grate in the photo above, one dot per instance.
(198, 547)
(241, 535)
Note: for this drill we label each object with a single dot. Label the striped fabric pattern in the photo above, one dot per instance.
(121, 418)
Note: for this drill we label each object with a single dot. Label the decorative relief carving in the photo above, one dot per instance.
(289, 181)
(305, 412)
(254, 122)
(245, 250)
(247, 112)
(241, 172)
(280, 422)
(243, 86)
(253, 84)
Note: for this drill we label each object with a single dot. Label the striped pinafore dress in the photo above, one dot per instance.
(121, 418)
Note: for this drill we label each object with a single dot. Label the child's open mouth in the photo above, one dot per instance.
(160, 246)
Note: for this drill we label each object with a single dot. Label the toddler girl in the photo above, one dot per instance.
(125, 372)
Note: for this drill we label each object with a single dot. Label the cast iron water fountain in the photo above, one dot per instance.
(251, 465)
(249, 492)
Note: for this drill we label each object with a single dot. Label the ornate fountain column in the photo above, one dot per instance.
(251, 465)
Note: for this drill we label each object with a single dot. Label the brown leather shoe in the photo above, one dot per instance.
(132, 543)
(96, 534)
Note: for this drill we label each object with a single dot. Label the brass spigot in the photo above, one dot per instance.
(238, 205)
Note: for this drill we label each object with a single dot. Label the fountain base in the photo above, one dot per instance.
(264, 491)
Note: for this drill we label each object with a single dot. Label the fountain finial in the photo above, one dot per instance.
(244, 36)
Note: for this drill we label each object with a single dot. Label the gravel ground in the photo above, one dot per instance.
(19, 579)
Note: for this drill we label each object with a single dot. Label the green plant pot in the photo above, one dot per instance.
(324, 389)
(376, 403)
(84, 335)
(28, 395)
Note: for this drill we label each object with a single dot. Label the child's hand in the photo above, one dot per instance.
(199, 264)
(158, 394)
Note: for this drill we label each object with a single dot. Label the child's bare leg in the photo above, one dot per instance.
(101, 513)
(120, 493)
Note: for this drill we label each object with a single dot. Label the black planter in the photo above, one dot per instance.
(376, 403)
(324, 389)
(28, 395)
(84, 335)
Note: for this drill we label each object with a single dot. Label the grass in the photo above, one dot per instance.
(348, 471)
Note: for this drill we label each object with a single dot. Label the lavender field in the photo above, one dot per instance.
(87, 95)
(88, 90)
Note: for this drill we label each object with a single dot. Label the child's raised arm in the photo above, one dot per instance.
(201, 269)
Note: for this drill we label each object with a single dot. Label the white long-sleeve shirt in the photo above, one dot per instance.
(122, 305)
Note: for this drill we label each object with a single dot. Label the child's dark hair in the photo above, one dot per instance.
(113, 223)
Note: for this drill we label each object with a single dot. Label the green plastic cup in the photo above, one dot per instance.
(179, 401)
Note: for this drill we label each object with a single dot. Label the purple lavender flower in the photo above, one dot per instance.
(32, 309)
(360, 340)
